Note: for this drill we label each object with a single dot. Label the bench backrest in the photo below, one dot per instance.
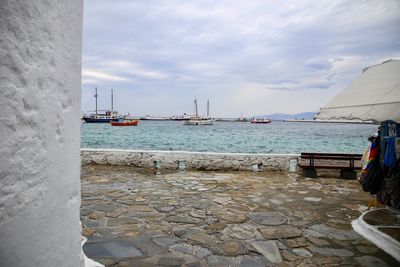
(334, 156)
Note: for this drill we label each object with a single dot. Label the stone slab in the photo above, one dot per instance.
(111, 249)
(182, 219)
(280, 232)
(269, 218)
(170, 261)
(341, 252)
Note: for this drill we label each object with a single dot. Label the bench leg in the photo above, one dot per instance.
(348, 174)
(311, 173)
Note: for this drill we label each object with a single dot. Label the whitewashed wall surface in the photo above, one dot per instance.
(40, 80)
(188, 160)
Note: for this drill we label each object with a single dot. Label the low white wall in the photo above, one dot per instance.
(193, 160)
(40, 82)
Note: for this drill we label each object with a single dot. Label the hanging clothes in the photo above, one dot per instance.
(389, 159)
(392, 186)
(389, 194)
(372, 176)
(365, 157)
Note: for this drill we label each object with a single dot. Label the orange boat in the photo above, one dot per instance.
(125, 123)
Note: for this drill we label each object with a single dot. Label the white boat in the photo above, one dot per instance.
(198, 120)
(183, 117)
(260, 120)
(154, 118)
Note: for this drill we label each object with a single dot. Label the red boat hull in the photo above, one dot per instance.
(124, 123)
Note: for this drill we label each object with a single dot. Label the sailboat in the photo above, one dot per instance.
(107, 116)
(198, 120)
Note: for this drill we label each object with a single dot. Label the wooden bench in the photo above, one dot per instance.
(309, 162)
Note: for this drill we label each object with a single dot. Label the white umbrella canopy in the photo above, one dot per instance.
(373, 96)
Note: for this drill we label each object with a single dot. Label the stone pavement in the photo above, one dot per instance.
(134, 217)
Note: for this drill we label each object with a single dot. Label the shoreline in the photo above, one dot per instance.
(330, 121)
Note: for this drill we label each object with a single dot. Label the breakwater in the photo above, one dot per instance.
(190, 160)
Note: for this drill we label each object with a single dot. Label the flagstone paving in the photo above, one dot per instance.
(134, 217)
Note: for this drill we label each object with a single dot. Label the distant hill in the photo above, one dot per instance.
(298, 116)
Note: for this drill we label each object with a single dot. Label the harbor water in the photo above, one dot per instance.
(231, 137)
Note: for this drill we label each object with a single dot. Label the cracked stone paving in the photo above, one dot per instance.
(135, 217)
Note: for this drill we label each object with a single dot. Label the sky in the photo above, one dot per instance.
(247, 57)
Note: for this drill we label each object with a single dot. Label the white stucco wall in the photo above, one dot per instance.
(40, 76)
(193, 160)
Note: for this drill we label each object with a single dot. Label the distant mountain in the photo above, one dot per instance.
(298, 116)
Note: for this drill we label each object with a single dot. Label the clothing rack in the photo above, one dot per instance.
(389, 133)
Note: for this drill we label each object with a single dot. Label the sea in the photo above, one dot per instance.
(277, 137)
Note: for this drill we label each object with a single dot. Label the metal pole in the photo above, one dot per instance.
(195, 106)
(208, 108)
(112, 101)
(96, 99)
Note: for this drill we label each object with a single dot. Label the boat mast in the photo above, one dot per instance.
(95, 95)
(112, 101)
(208, 108)
(195, 107)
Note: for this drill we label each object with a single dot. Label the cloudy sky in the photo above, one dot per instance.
(252, 57)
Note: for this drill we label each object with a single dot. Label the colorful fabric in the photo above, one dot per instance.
(373, 153)
(372, 175)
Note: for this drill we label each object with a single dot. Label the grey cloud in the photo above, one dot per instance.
(318, 63)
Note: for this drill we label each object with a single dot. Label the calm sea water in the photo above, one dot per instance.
(237, 137)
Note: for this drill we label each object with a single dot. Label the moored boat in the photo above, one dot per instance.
(198, 120)
(125, 123)
(154, 118)
(260, 120)
(107, 116)
(183, 117)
